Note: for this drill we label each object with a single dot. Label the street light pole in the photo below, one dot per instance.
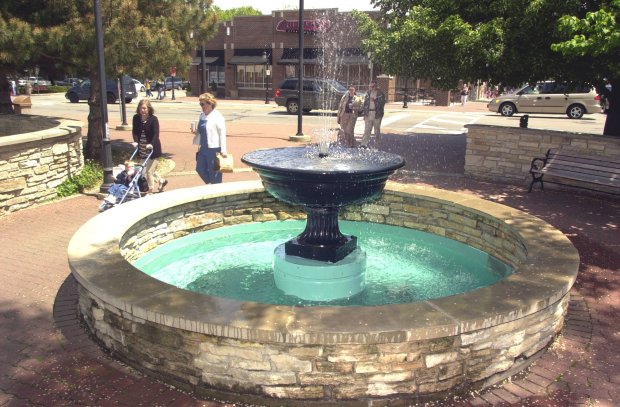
(266, 59)
(106, 153)
(300, 74)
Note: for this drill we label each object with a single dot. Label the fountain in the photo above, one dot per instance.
(256, 352)
(321, 263)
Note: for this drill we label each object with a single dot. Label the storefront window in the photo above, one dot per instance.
(251, 76)
(217, 74)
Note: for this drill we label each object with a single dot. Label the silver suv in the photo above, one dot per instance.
(323, 94)
(549, 97)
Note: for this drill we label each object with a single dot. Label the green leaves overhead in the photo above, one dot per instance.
(142, 37)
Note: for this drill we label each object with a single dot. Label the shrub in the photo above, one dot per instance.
(91, 175)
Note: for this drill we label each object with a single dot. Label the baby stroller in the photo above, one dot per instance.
(130, 183)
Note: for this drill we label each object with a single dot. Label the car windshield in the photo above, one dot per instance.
(336, 85)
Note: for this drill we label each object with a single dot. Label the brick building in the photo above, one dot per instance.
(250, 56)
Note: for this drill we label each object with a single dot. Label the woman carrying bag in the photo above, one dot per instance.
(210, 135)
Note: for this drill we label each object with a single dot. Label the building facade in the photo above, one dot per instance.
(250, 56)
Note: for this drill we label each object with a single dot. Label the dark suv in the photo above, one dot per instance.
(82, 91)
(324, 94)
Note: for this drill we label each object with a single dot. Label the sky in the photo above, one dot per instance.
(267, 6)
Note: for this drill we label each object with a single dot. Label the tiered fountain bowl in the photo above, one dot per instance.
(321, 263)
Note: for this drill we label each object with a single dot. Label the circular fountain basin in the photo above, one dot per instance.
(273, 354)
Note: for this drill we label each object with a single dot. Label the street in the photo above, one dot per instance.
(416, 119)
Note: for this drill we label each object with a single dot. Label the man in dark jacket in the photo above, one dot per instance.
(374, 104)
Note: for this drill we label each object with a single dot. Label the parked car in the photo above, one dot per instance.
(319, 93)
(82, 91)
(178, 82)
(38, 80)
(574, 100)
(68, 82)
(139, 86)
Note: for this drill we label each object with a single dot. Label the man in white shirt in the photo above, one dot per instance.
(374, 104)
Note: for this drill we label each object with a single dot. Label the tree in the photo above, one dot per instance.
(504, 41)
(595, 41)
(226, 15)
(142, 37)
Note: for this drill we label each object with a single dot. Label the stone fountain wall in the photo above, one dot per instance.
(505, 154)
(36, 155)
(398, 353)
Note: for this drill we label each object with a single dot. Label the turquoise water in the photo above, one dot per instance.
(403, 265)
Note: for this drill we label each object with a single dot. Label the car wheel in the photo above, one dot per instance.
(575, 111)
(111, 98)
(292, 106)
(73, 98)
(507, 109)
(142, 89)
(128, 100)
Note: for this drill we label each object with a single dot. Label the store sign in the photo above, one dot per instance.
(292, 26)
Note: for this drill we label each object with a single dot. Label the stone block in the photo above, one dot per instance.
(436, 359)
(296, 392)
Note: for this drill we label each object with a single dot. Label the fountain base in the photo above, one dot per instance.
(332, 253)
(316, 280)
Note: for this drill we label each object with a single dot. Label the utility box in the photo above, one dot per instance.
(22, 104)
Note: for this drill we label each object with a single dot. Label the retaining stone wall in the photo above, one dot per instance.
(327, 371)
(37, 154)
(504, 154)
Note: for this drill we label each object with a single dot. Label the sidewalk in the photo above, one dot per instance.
(48, 359)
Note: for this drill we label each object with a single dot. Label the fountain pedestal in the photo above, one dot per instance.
(317, 280)
(322, 264)
(321, 240)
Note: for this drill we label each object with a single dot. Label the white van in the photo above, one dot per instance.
(549, 97)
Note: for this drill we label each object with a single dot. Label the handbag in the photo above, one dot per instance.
(224, 164)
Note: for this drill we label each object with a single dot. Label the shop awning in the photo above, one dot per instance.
(354, 60)
(246, 60)
(290, 56)
(314, 56)
(208, 60)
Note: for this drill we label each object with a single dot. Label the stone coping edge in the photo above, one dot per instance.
(544, 278)
(63, 128)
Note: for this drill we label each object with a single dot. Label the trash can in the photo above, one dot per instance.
(22, 104)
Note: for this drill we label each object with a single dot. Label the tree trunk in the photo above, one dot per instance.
(6, 106)
(612, 123)
(94, 139)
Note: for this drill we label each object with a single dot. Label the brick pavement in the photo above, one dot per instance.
(48, 359)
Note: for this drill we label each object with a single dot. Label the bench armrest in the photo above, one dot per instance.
(537, 164)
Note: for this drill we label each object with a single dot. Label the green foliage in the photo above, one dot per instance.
(506, 41)
(91, 175)
(226, 15)
(594, 39)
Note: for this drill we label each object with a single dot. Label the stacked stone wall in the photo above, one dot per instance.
(504, 154)
(409, 365)
(36, 155)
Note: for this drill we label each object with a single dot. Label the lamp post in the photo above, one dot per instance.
(106, 152)
(267, 72)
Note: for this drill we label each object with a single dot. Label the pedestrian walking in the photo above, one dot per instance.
(464, 94)
(160, 90)
(149, 93)
(210, 135)
(347, 115)
(374, 108)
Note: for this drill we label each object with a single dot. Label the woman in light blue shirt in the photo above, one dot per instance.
(210, 135)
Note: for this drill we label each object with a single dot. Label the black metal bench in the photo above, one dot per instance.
(599, 174)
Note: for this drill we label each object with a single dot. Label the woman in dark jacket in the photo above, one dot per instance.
(146, 137)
